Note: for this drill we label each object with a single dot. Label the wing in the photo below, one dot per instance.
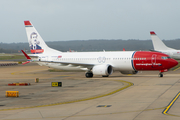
(71, 64)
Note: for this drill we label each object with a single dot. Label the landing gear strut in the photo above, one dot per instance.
(89, 74)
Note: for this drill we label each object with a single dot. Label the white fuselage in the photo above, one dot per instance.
(175, 54)
(119, 60)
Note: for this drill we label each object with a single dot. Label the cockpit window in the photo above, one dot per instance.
(166, 57)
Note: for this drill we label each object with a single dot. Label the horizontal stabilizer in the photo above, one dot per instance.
(26, 55)
(26, 62)
(29, 59)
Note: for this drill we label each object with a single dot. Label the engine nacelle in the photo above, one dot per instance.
(102, 70)
(129, 72)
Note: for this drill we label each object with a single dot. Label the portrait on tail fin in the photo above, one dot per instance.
(34, 44)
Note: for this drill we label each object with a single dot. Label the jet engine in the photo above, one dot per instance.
(102, 70)
(129, 72)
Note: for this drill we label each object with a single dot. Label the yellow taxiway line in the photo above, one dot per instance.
(165, 111)
(176, 69)
(78, 100)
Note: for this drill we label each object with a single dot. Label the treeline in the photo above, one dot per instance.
(91, 45)
(7, 51)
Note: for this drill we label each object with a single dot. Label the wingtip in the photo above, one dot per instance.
(152, 33)
(27, 22)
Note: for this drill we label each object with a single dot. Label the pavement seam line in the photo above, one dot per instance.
(92, 114)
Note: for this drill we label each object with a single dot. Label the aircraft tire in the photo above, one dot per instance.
(160, 75)
(89, 74)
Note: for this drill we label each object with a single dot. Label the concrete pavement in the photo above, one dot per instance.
(146, 99)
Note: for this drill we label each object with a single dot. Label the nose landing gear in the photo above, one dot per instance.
(161, 72)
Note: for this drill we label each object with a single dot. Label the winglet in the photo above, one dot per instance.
(152, 33)
(26, 55)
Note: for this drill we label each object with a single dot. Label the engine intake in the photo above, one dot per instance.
(102, 69)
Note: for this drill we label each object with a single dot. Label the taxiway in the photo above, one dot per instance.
(126, 97)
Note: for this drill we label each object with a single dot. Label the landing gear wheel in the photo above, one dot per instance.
(160, 75)
(105, 75)
(89, 74)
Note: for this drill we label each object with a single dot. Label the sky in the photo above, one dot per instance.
(63, 20)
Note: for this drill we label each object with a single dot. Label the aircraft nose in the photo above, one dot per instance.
(173, 63)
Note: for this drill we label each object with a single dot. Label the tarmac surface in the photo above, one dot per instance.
(126, 97)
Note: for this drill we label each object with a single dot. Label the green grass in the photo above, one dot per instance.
(11, 57)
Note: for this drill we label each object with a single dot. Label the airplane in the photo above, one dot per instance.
(159, 46)
(102, 63)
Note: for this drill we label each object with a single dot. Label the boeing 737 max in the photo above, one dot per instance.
(161, 47)
(95, 63)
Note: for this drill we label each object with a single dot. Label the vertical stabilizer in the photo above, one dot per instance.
(36, 43)
(157, 42)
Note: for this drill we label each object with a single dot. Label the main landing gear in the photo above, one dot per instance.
(89, 74)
